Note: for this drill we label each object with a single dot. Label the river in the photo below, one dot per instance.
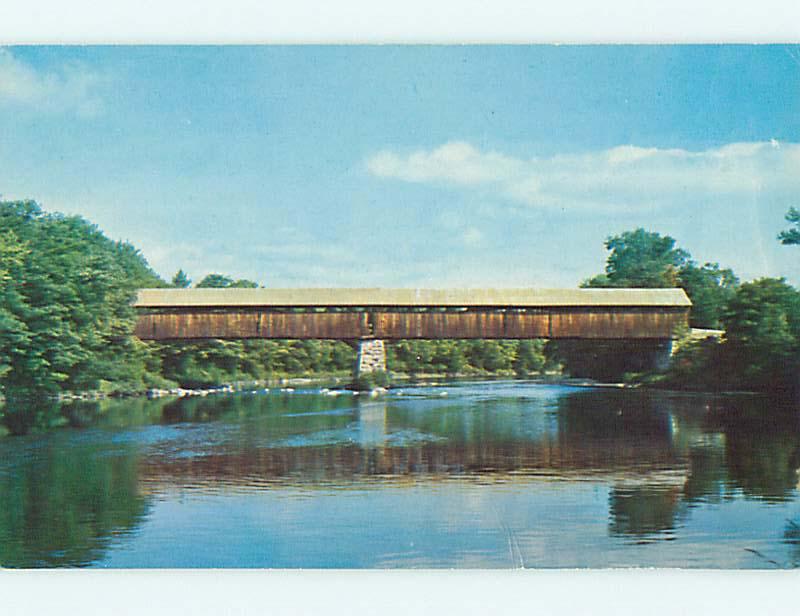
(454, 474)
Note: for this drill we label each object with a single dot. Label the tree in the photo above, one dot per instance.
(65, 303)
(530, 357)
(710, 288)
(637, 259)
(791, 236)
(181, 280)
(220, 281)
(215, 281)
(641, 259)
(13, 332)
(762, 332)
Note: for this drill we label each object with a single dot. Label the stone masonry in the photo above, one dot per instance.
(371, 357)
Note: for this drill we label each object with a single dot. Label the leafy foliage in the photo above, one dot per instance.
(761, 346)
(710, 288)
(181, 280)
(762, 332)
(791, 235)
(641, 258)
(65, 303)
(220, 281)
(370, 380)
(760, 349)
(520, 357)
(645, 259)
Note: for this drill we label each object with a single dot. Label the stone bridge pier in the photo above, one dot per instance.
(371, 356)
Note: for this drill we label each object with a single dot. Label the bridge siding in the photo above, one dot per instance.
(554, 323)
(617, 324)
(251, 325)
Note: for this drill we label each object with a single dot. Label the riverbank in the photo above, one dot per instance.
(323, 379)
(340, 380)
(46, 414)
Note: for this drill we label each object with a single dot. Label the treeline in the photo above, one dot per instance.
(66, 321)
(759, 349)
(65, 305)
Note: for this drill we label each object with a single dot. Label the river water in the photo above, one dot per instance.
(466, 474)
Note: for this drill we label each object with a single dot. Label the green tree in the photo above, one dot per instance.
(710, 288)
(220, 281)
(530, 357)
(762, 332)
(65, 303)
(181, 280)
(215, 281)
(14, 333)
(637, 259)
(641, 259)
(791, 235)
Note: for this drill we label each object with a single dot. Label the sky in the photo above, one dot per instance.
(410, 166)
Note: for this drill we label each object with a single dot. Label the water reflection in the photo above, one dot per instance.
(644, 511)
(64, 501)
(69, 496)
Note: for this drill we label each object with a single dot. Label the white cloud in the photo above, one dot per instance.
(457, 162)
(71, 89)
(623, 178)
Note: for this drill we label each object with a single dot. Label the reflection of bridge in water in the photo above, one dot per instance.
(371, 316)
(656, 457)
(377, 439)
(653, 457)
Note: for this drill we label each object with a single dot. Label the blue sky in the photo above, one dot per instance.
(409, 166)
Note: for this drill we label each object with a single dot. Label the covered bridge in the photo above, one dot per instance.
(389, 314)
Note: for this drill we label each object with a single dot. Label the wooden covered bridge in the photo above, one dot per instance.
(371, 316)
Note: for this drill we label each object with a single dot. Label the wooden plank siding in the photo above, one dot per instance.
(423, 323)
(251, 324)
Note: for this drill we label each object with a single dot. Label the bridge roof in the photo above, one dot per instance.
(178, 298)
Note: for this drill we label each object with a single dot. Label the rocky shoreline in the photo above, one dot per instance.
(337, 385)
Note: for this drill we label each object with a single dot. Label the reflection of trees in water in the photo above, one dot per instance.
(708, 476)
(65, 502)
(273, 412)
(762, 452)
(744, 447)
(663, 455)
(23, 416)
(791, 537)
(644, 510)
(750, 445)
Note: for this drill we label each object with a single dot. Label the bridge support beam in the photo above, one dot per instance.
(371, 357)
